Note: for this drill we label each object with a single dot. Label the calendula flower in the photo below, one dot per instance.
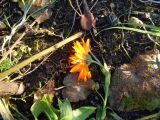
(79, 60)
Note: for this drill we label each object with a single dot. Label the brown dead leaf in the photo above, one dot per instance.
(38, 4)
(2, 25)
(75, 90)
(49, 89)
(87, 21)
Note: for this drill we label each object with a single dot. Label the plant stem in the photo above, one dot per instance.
(94, 57)
(153, 116)
(39, 55)
(99, 95)
(74, 8)
(4, 111)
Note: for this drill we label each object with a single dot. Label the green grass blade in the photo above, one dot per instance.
(83, 113)
(66, 110)
(132, 29)
(42, 107)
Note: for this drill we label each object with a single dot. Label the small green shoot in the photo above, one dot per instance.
(65, 111)
(5, 65)
(83, 112)
(44, 106)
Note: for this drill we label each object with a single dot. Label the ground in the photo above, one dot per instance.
(115, 46)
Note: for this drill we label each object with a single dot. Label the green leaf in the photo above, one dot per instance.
(47, 98)
(115, 116)
(133, 29)
(107, 83)
(66, 110)
(92, 119)
(101, 113)
(41, 106)
(82, 113)
(107, 74)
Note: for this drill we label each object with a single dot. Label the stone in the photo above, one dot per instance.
(136, 86)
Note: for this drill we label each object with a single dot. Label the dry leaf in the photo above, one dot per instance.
(38, 4)
(76, 91)
(87, 21)
(2, 25)
(49, 89)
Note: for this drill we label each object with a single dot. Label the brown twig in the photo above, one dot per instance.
(39, 55)
(15, 44)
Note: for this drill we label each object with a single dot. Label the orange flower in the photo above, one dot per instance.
(79, 60)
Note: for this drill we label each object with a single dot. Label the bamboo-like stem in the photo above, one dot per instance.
(39, 55)
(153, 116)
(4, 111)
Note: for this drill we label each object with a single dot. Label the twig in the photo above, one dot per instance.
(153, 1)
(153, 116)
(32, 69)
(4, 111)
(17, 26)
(14, 30)
(74, 8)
(79, 7)
(14, 45)
(39, 55)
(93, 5)
(74, 18)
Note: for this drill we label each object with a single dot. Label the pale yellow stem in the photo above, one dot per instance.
(39, 55)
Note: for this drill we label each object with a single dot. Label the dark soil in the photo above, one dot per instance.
(115, 46)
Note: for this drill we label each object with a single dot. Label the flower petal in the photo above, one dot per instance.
(78, 60)
(76, 68)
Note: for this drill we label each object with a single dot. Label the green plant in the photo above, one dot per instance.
(64, 112)
(81, 59)
(6, 64)
(136, 25)
(103, 110)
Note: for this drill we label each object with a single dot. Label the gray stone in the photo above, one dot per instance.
(136, 86)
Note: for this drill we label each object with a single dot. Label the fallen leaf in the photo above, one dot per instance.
(75, 90)
(49, 89)
(87, 21)
(2, 25)
(44, 14)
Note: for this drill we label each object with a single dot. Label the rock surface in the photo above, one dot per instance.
(136, 86)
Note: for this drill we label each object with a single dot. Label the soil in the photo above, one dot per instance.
(115, 46)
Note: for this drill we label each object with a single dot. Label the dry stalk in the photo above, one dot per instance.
(15, 44)
(39, 55)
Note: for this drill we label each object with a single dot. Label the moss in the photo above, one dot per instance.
(148, 101)
(5, 65)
